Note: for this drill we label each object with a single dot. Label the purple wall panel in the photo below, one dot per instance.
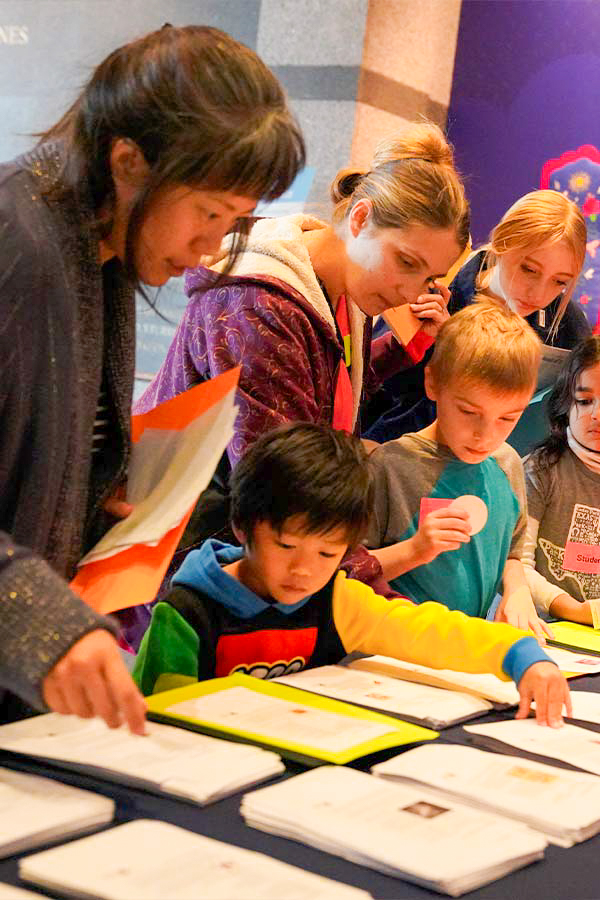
(526, 89)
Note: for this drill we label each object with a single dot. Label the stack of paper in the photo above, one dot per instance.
(487, 686)
(35, 810)
(432, 706)
(571, 744)
(400, 830)
(295, 723)
(149, 860)
(168, 760)
(563, 805)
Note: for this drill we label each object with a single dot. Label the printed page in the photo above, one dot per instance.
(571, 744)
(170, 758)
(487, 686)
(149, 860)
(278, 719)
(573, 661)
(34, 809)
(392, 827)
(419, 701)
(510, 784)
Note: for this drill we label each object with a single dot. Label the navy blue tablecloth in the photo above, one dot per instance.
(564, 874)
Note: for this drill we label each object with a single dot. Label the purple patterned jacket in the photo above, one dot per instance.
(289, 355)
(288, 351)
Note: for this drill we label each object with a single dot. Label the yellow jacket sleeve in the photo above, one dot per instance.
(428, 634)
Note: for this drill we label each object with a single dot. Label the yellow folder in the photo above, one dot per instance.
(177, 707)
(576, 637)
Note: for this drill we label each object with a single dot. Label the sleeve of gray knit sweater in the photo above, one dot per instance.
(41, 618)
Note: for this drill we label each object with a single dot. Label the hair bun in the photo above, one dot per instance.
(345, 183)
(422, 141)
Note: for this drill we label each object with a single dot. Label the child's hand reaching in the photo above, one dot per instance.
(519, 610)
(441, 530)
(544, 683)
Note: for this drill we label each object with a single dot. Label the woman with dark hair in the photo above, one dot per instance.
(562, 550)
(173, 140)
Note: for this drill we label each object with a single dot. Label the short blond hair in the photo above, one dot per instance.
(536, 219)
(412, 181)
(488, 343)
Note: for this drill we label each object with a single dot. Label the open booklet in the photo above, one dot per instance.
(35, 810)
(166, 760)
(297, 724)
(401, 830)
(563, 805)
(571, 744)
(486, 686)
(421, 703)
(149, 860)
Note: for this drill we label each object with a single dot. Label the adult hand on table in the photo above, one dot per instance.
(91, 680)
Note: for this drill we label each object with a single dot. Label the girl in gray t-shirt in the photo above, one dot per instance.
(562, 549)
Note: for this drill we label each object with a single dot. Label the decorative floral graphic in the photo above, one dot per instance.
(576, 174)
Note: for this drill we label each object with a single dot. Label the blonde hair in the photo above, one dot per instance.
(412, 180)
(538, 218)
(487, 342)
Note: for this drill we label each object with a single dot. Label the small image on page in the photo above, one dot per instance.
(244, 710)
(426, 810)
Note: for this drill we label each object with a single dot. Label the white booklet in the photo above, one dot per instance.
(150, 860)
(35, 810)
(571, 744)
(419, 703)
(401, 830)
(167, 760)
(563, 805)
(488, 686)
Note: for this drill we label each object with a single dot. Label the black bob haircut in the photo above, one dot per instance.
(202, 108)
(583, 356)
(304, 470)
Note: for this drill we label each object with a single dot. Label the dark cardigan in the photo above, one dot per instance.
(60, 326)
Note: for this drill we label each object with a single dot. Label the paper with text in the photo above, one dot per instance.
(150, 860)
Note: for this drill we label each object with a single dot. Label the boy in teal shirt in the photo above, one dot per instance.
(482, 374)
(300, 497)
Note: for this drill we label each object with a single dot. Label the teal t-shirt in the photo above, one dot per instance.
(468, 578)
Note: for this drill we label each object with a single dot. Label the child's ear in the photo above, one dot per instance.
(430, 389)
(240, 535)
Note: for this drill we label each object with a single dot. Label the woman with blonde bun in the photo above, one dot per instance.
(295, 312)
(532, 262)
